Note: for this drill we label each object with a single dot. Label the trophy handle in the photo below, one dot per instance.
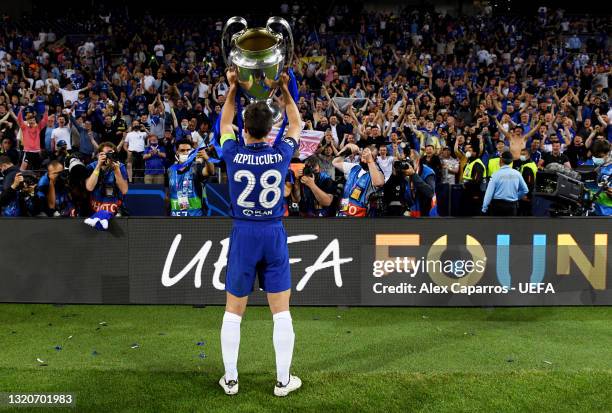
(285, 24)
(228, 23)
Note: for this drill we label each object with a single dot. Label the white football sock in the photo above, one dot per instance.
(230, 343)
(283, 338)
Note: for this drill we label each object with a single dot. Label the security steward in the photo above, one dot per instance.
(474, 176)
(528, 170)
(494, 163)
(505, 189)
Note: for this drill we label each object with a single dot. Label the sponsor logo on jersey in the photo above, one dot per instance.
(256, 212)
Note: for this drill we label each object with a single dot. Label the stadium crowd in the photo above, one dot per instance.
(410, 109)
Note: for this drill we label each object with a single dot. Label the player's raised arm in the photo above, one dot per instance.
(229, 108)
(293, 114)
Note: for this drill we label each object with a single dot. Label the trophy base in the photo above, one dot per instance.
(277, 113)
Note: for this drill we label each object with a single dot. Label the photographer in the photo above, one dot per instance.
(362, 180)
(601, 191)
(53, 191)
(18, 198)
(186, 183)
(135, 146)
(314, 190)
(408, 190)
(7, 172)
(107, 182)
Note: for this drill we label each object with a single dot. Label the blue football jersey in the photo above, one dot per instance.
(256, 175)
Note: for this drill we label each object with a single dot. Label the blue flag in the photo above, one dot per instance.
(293, 90)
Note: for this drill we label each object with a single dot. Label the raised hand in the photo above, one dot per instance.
(232, 76)
(284, 80)
(17, 181)
(366, 155)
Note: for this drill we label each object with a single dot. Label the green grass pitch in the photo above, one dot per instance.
(353, 360)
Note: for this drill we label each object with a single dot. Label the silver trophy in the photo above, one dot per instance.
(259, 55)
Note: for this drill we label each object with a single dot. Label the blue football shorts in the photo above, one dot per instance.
(257, 249)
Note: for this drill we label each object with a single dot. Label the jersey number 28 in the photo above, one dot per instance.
(268, 186)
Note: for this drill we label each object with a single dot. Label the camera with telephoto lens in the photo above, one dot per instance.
(340, 182)
(307, 171)
(402, 165)
(63, 177)
(110, 157)
(29, 178)
(294, 209)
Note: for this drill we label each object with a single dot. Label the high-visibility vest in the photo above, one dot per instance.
(531, 165)
(494, 166)
(467, 172)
